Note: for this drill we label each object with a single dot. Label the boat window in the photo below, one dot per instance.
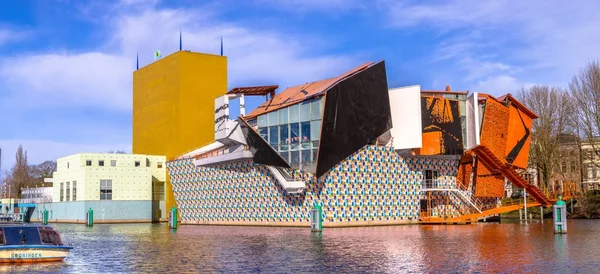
(50, 236)
(45, 236)
(18, 235)
(2, 241)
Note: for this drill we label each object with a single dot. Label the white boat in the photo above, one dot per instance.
(30, 243)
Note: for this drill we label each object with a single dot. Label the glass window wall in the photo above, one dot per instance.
(294, 131)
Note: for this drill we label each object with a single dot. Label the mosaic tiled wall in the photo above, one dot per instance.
(374, 184)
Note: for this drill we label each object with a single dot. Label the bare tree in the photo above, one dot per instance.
(19, 176)
(40, 171)
(585, 89)
(554, 108)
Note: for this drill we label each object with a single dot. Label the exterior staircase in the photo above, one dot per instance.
(490, 160)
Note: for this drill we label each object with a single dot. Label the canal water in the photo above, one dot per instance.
(495, 248)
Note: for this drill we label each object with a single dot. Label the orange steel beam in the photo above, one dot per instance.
(470, 218)
(486, 156)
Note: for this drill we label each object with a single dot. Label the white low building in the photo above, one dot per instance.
(118, 187)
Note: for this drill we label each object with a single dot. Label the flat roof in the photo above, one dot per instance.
(256, 90)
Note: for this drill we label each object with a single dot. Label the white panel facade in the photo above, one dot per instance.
(405, 104)
(473, 125)
(221, 117)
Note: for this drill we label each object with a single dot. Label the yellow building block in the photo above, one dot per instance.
(173, 105)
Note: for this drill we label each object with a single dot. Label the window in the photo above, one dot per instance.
(49, 236)
(295, 157)
(315, 111)
(264, 132)
(294, 135)
(283, 116)
(305, 156)
(68, 191)
(137, 163)
(148, 164)
(67, 165)
(315, 129)
(101, 163)
(294, 113)
(88, 162)
(273, 118)
(305, 134)
(106, 189)
(262, 120)
(431, 179)
(294, 130)
(61, 191)
(113, 162)
(74, 191)
(304, 111)
(159, 164)
(159, 191)
(284, 137)
(273, 136)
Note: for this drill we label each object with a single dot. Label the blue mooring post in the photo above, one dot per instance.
(560, 216)
(173, 218)
(316, 219)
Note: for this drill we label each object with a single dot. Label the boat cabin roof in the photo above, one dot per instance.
(28, 234)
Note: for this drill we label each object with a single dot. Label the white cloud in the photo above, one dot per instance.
(329, 6)
(253, 55)
(536, 40)
(102, 78)
(65, 80)
(498, 85)
(9, 35)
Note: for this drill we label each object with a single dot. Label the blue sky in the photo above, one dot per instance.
(66, 66)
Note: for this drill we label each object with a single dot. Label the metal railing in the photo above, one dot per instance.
(34, 200)
(430, 183)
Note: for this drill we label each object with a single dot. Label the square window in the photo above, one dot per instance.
(137, 163)
(159, 164)
(315, 129)
(105, 189)
(262, 120)
(113, 162)
(273, 118)
(88, 162)
(283, 116)
(305, 111)
(316, 109)
(101, 163)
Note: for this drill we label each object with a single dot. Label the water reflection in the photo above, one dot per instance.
(504, 248)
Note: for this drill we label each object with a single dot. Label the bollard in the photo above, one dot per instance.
(89, 217)
(520, 214)
(45, 216)
(173, 218)
(560, 216)
(541, 213)
(316, 220)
